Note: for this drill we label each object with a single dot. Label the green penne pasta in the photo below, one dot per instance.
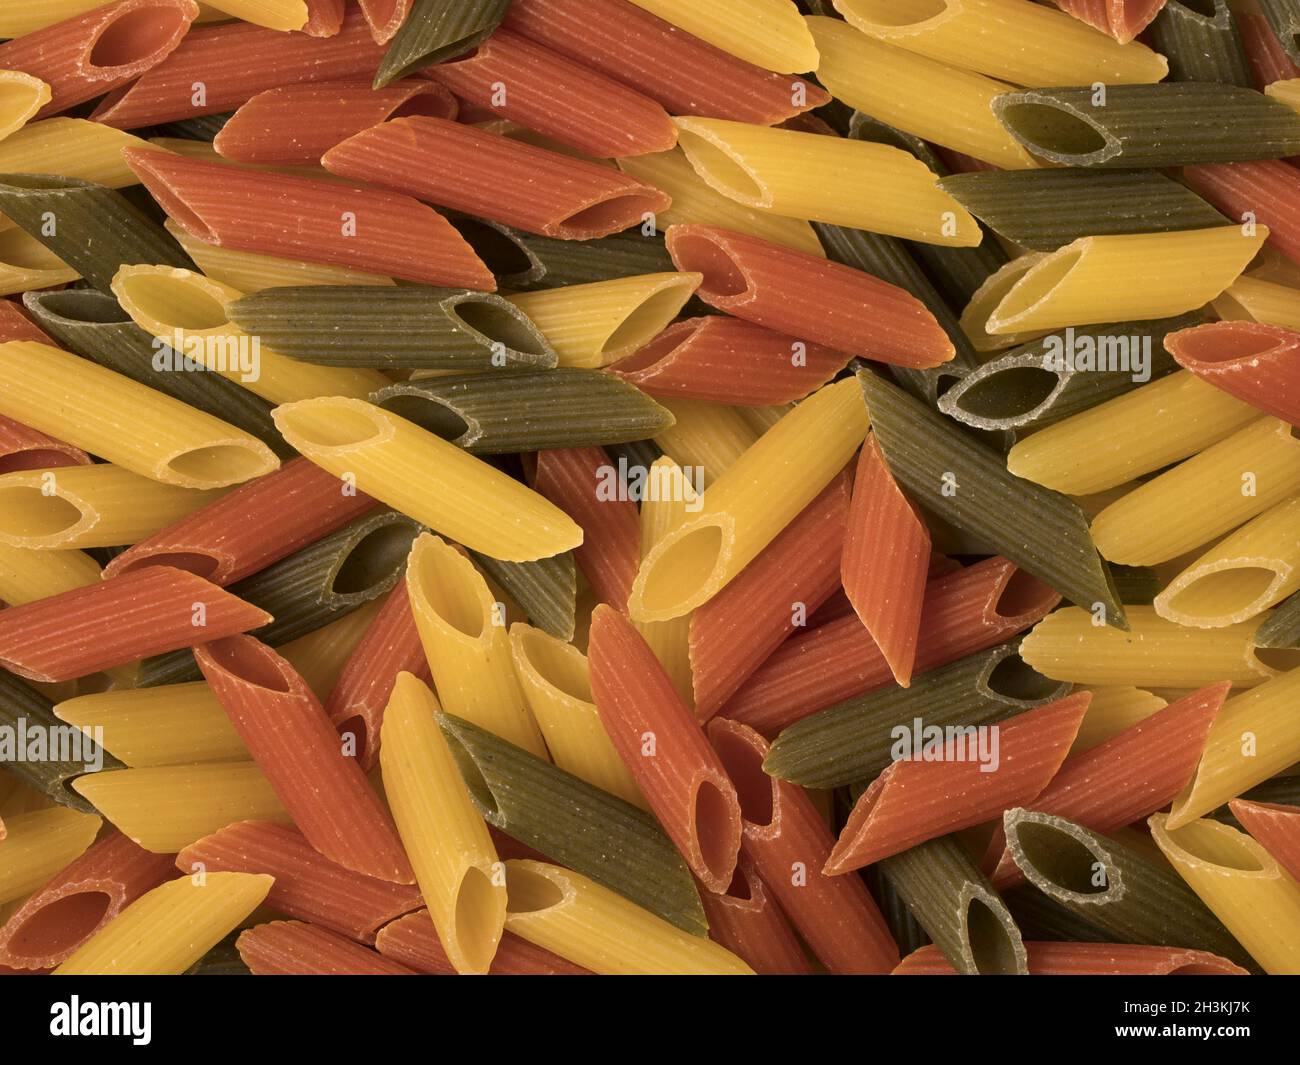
(1284, 17)
(409, 327)
(1282, 629)
(1150, 125)
(1043, 210)
(575, 824)
(526, 262)
(1136, 585)
(436, 30)
(91, 228)
(221, 960)
(1202, 42)
(1058, 375)
(505, 411)
(642, 453)
(1131, 898)
(853, 740)
(1043, 532)
(40, 750)
(92, 325)
(907, 932)
(1040, 917)
(546, 590)
(958, 908)
(203, 128)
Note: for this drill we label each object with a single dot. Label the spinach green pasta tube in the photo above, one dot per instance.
(635, 453)
(1202, 42)
(958, 907)
(504, 411)
(409, 327)
(1066, 372)
(527, 262)
(1150, 125)
(1282, 629)
(92, 325)
(1284, 17)
(1043, 210)
(907, 932)
(1040, 917)
(1114, 887)
(546, 590)
(1136, 585)
(40, 750)
(575, 824)
(942, 469)
(221, 960)
(853, 740)
(436, 30)
(91, 228)
(202, 128)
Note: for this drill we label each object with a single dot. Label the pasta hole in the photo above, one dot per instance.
(1014, 678)
(737, 181)
(35, 459)
(1053, 130)
(648, 319)
(1283, 659)
(429, 413)
(744, 766)
(1209, 347)
(339, 426)
(616, 213)
(26, 253)
(82, 305)
(717, 832)
(531, 891)
(504, 256)
(683, 566)
(25, 512)
(247, 660)
(899, 12)
(191, 561)
(60, 925)
(177, 302)
(220, 464)
(1023, 594)
(475, 782)
(422, 105)
(1225, 592)
(451, 591)
(722, 277)
(992, 948)
(1209, 842)
(559, 664)
(501, 322)
(135, 36)
(659, 348)
(1037, 283)
(740, 888)
(478, 908)
(1012, 393)
(1062, 858)
(374, 559)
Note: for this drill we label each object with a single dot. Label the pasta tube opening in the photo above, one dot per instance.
(1034, 287)
(373, 560)
(504, 254)
(561, 665)
(1023, 596)
(1018, 392)
(1222, 593)
(723, 276)
(726, 170)
(136, 38)
(60, 925)
(991, 939)
(649, 317)
(1277, 659)
(744, 765)
(714, 828)
(682, 564)
(1058, 858)
(896, 14)
(531, 888)
(447, 589)
(604, 216)
(251, 662)
(1213, 843)
(21, 96)
(330, 425)
(495, 321)
(218, 464)
(478, 906)
(1057, 129)
(1013, 678)
(27, 511)
(164, 298)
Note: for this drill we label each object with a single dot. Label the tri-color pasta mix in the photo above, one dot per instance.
(650, 487)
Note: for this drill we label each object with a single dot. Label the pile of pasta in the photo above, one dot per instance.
(649, 487)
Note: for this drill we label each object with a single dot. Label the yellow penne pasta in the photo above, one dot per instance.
(767, 33)
(1287, 90)
(250, 271)
(1131, 276)
(89, 506)
(1144, 430)
(1257, 901)
(1207, 495)
(188, 312)
(745, 509)
(174, 724)
(21, 96)
(124, 422)
(1253, 299)
(930, 100)
(442, 830)
(761, 419)
(168, 929)
(761, 166)
(1072, 645)
(591, 926)
(1255, 736)
(707, 436)
(553, 676)
(18, 17)
(27, 575)
(463, 631)
(87, 150)
(273, 14)
(434, 482)
(1020, 42)
(38, 844)
(1111, 711)
(1251, 570)
(26, 263)
(596, 324)
(166, 808)
(695, 201)
(319, 657)
(975, 318)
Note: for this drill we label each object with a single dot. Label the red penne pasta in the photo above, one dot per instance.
(308, 886)
(217, 68)
(1090, 959)
(1276, 827)
(91, 54)
(748, 922)
(1265, 191)
(79, 900)
(385, 17)
(23, 448)
(1121, 19)
(809, 298)
(497, 178)
(292, 741)
(683, 73)
(735, 631)
(657, 737)
(297, 124)
(15, 325)
(301, 218)
(885, 562)
(294, 948)
(611, 531)
(789, 843)
(917, 800)
(246, 530)
(1264, 52)
(413, 941)
(963, 612)
(390, 646)
(727, 360)
(1257, 363)
(119, 620)
(566, 101)
(324, 17)
(1123, 780)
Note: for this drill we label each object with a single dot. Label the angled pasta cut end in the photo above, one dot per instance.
(21, 96)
